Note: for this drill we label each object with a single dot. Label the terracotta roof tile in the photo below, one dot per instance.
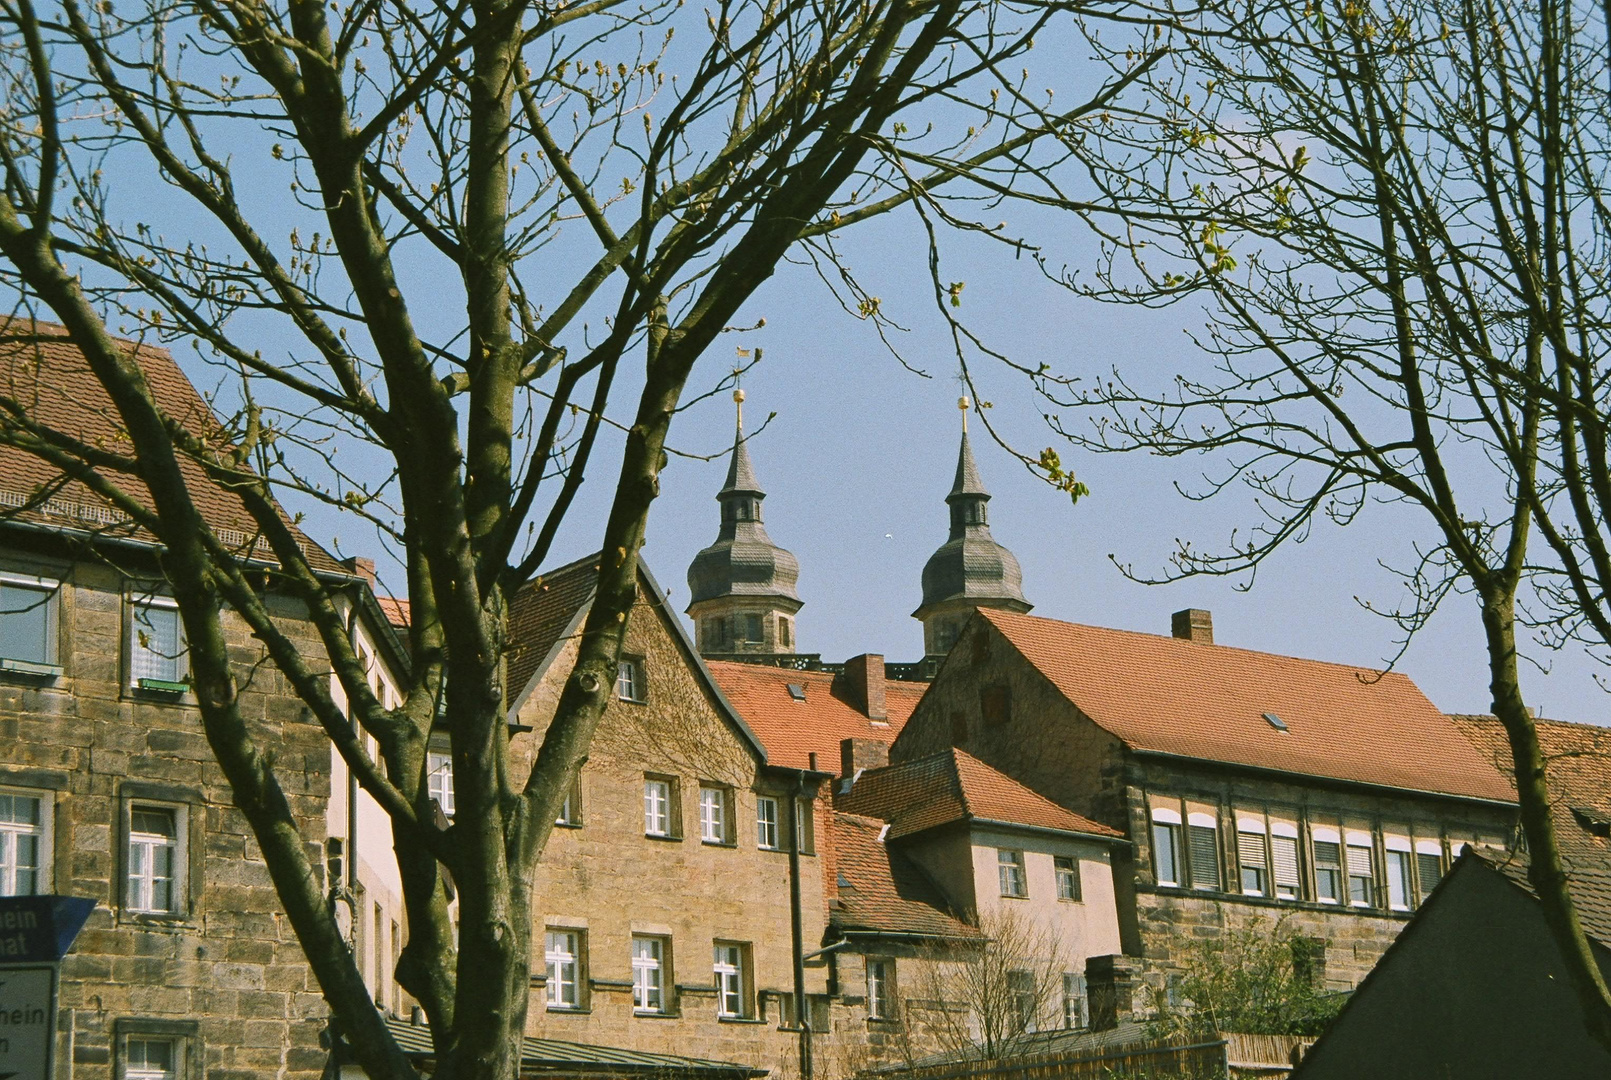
(397, 612)
(792, 730)
(937, 790)
(1168, 695)
(47, 375)
(882, 891)
(1577, 766)
(539, 614)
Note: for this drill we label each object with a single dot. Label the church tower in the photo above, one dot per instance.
(742, 587)
(970, 570)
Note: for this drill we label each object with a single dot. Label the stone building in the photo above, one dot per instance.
(1254, 789)
(108, 788)
(669, 895)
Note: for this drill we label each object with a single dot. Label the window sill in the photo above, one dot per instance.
(566, 1010)
(567, 824)
(27, 669)
(1071, 900)
(720, 843)
(663, 838)
(157, 921)
(163, 687)
(739, 1020)
(1015, 896)
(655, 1014)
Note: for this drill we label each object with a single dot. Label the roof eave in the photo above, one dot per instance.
(1103, 838)
(1368, 785)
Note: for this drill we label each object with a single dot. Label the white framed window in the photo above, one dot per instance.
(1021, 995)
(1067, 868)
(1202, 838)
(731, 968)
(1428, 865)
(28, 623)
(148, 1057)
(25, 829)
(880, 988)
(157, 650)
(649, 974)
(1284, 859)
(1328, 864)
(1010, 872)
(562, 963)
(1250, 853)
(629, 680)
(439, 780)
(1361, 875)
(766, 823)
(1399, 855)
(155, 881)
(713, 814)
(1073, 1000)
(1166, 845)
(657, 807)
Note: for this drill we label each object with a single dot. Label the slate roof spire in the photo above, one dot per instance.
(970, 569)
(742, 587)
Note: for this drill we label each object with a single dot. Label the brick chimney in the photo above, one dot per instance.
(857, 755)
(1193, 624)
(359, 566)
(1110, 986)
(862, 685)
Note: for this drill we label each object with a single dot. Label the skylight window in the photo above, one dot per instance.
(796, 691)
(1275, 721)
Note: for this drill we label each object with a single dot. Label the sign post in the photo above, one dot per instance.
(35, 933)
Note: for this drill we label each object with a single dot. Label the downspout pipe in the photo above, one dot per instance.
(802, 1012)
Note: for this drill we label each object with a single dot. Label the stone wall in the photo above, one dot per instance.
(225, 976)
(607, 880)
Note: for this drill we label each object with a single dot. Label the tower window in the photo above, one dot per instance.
(785, 635)
(751, 629)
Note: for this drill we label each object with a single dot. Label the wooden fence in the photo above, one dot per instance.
(1194, 1061)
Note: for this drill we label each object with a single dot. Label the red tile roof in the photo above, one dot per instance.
(882, 891)
(397, 612)
(955, 786)
(1577, 766)
(47, 375)
(540, 613)
(1168, 695)
(793, 730)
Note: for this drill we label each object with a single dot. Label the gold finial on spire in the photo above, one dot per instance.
(738, 401)
(964, 404)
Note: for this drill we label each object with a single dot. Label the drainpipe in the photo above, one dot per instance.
(802, 1013)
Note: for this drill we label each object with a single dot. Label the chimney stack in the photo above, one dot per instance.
(859, 755)
(862, 685)
(1110, 986)
(359, 566)
(1193, 624)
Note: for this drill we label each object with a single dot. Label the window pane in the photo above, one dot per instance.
(1073, 1000)
(712, 815)
(20, 839)
(1250, 851)
(148, 1059)
(657, 808)
(1068, 877)
(1165, 864)
(439, 780)
(1398, 879)
(648, 979)
(626, 681)
(559, 956)
(1328, 870)
(25, 624)
(766, 822)
(1360, 878)
(156, 651)
(1010, 866)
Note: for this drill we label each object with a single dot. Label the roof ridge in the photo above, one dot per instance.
(994, 614)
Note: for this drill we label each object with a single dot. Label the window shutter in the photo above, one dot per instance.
(1285, 849)
(1204, 857)
(1359, 861)
(1250, 848)
(1431, 867)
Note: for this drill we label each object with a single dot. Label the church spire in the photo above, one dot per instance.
(970, 570)
(742, 587)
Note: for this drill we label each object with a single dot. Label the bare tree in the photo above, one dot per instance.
(1393, 215)
(456, 242)
(973, 1002)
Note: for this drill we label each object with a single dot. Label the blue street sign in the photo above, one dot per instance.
(40, 929)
